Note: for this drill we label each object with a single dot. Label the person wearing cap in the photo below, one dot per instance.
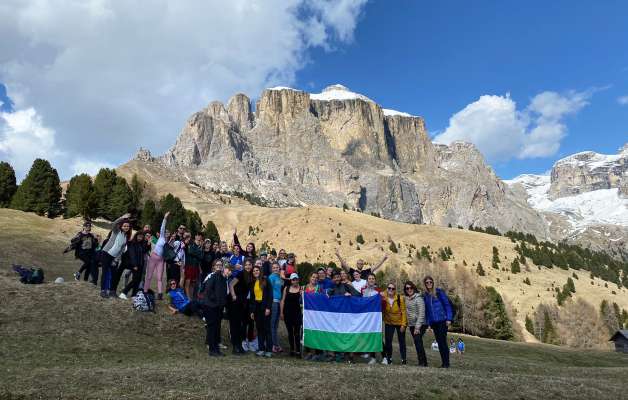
(277, 284)
(364, 272)
(291, 313)
(266, 264)
(84, 245)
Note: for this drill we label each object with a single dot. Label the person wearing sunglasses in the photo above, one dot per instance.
(395, 319)
(415, 308)
(180, 302)
(438, 315)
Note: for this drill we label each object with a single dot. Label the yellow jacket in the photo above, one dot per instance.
(394, 314)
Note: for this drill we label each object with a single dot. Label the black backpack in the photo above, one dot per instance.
(170, 252)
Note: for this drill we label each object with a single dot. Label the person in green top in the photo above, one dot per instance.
(193, 260)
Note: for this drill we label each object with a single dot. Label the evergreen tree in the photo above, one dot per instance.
(151, 216)
(570, 286)
(392, 247)
(120, 201)
(549, 332)
(8, 184)
(177, 212)
(137, 190)
(529, 325)
(211, 232)
(515, 267)
(40, 191)
(495, 311)
(480, 269)
(103, 188)
(496, 260)
(193, 222)
(360, 239)
(79, 197)
(425, 253)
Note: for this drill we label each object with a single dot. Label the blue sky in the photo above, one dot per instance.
(434, 58)
(527, 82)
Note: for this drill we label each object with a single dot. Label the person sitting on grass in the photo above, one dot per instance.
(179, 301)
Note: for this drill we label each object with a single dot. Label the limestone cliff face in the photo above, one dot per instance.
(589, 171)
(339, 147)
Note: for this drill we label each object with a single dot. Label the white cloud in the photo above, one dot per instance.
(111, 75)
(90, 167)
(23, 138)
(501, 131)
(623, 100)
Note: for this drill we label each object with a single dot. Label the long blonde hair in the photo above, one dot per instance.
(432, 291)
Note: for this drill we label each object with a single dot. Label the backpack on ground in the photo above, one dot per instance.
(34, 275)
(37, 276)
(144, 302)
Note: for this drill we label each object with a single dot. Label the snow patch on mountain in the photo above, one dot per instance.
(389, 112)
(603, 206)
(337, 92)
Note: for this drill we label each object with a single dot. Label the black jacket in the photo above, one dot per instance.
(214, 291)
(267, 296)
(341, 289)
(134, 255)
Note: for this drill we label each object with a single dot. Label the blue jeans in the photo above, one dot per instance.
(274, 322)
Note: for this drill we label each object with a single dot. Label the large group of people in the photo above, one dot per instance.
(253, 291)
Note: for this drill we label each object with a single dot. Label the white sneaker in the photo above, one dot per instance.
(222, 346)
(245, 345)
(123, 296)
(372, 361)
(385, 361)
(365, 355)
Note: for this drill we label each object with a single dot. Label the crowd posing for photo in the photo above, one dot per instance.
(254, 292)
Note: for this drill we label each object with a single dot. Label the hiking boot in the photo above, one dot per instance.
(268, 354)
(403, 362)
(385, 361)
(259, 353)
(123, 296)
(77, 276)
(103, 294)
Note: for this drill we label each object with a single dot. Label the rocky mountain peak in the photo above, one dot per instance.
(340, 147)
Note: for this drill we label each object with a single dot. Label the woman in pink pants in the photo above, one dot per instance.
(156, 262)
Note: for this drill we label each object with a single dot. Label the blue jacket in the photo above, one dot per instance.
(178, 298)
(437, 309)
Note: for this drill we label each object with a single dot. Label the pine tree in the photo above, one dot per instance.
(120, 201)
(392, 247)
(425, 253)
(360, 239)
(569, 286)
(480, 269)
(177, 212)
(529, 325)
(193, 222)
(495, 262)
(549, 332)
(79, 197)
(150, 216)
(515, 267)
(495, 311)
(103, 188)
(211, 232)
(40, 191)
(137, 190)
(8, 184)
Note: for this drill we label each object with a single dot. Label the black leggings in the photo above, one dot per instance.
(87, 267)
(418, 344)
(262, 322)
(389, 332)
(134, 283)
(236, 313)
(294, 334)
(440, 332)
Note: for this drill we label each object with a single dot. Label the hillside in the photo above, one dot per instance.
(312, 233)
(64, 341)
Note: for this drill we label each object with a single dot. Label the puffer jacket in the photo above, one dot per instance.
(395, 314)
(437, 308)
(415, 307)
